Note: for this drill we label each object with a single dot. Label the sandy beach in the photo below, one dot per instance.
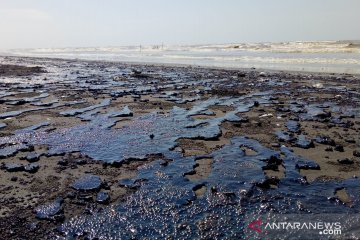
(87, 147)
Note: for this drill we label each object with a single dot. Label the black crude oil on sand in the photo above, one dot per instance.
(101, 150)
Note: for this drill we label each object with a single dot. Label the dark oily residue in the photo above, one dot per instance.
(19, 112)
(2, 125)
(165, 203)
(293, 126)
(87, 183)
(74, 112)
(32, 128)
(97, 140)
(304, 142)
(50, 211)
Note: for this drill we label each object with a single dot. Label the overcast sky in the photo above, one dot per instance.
(76, 23)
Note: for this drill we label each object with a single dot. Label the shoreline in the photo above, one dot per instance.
(182, 131)
(183, 65)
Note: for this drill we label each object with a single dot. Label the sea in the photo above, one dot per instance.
(315, 56)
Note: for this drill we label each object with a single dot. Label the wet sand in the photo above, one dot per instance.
(282, 109)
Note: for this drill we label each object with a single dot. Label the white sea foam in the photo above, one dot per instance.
(325, 56)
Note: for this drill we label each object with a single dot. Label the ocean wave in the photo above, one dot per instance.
(283, 47)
